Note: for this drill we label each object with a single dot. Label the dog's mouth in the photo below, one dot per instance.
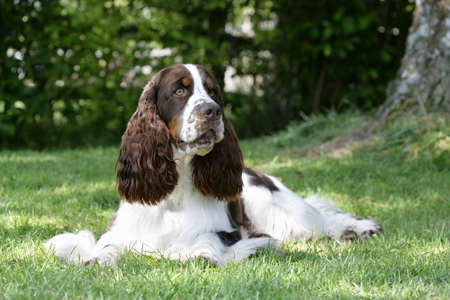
(205, 140)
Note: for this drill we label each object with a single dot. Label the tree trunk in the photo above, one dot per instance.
(424, 74)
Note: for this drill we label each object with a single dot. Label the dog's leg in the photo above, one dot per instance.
(342, 225)
(81, 248)
(106, 256)
(345, 226)
(207, 246)
(280, 213)
(246, 247)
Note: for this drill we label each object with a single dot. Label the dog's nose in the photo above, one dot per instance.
(211, 111)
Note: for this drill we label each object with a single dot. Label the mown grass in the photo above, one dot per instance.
(400, 178)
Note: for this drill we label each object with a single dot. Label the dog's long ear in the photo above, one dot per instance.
(146, 170)
(219, 173)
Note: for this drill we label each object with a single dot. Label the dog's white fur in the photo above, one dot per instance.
(184, 225)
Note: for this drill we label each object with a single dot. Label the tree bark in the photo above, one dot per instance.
(424, 74)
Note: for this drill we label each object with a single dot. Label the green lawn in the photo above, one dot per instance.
(400, 178)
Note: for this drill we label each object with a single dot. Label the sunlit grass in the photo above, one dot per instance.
(47, 193)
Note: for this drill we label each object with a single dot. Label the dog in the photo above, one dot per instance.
(185, 193)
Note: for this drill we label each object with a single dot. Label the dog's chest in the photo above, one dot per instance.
(187, 212)
(182, 217)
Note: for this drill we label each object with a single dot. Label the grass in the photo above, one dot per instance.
(400, 178)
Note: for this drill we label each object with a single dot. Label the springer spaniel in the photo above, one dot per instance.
(184, 190)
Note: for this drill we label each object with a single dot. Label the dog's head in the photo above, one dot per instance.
(179, 110)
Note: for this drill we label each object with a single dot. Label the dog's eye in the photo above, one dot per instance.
(212, 94)
(179, 92)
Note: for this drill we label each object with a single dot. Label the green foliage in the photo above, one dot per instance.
(323, 54)
(50, 192)
(71, 71)
(65, 91)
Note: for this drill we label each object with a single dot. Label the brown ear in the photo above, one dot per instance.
(219, 173)
(146, 170)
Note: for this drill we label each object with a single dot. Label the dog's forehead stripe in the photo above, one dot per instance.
(198, 85)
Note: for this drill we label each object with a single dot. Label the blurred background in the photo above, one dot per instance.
(71, 71)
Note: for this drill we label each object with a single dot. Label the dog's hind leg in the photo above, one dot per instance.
(275, 210)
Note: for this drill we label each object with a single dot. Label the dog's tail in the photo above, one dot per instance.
(77, 248)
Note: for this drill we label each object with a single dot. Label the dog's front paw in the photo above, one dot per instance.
(98, 262)
(105, 257)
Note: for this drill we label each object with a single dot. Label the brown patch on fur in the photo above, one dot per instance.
(368, 233)
(186, 81)
(93, 262)
(209, 83)
(377, 230)
(111, 224)
(239, 219)
(219, 173)
(175, 126)
(145, 170)
(208, 261)
(260, 179)
(348, 234)
(238, 216)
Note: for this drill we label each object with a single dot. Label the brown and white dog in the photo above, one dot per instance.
(185, 193)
